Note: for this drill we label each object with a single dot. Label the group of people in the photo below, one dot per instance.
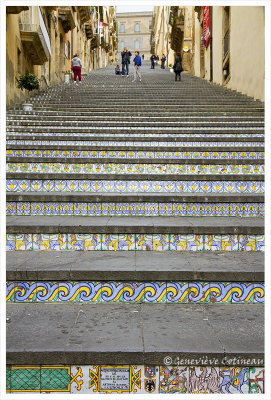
(125, 61)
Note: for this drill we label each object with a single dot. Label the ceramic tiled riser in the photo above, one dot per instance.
(130, 143)
(137, 209)
(135, 168)
(27, 185)
(137, 379)
(136, 292)
(132, 242)
(137, 154)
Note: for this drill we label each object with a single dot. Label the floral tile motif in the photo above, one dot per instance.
(11, 241)
(204, 380)
(144, 241)
(174, 379)
(229, 243)
(256, 380)
(234, 380)
(59, 241)
(212, 242)
(160, 242)
(24, 241)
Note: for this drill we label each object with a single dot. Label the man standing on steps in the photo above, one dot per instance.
(137, 61)
(163, 60)
(76, 68)
(125, 60)
(152, 61)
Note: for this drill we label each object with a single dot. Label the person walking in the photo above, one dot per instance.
(76, 68)
(163, 60)
(137, 62)
(152, 61)
(142, 56)
(125, 60)
(177, 67)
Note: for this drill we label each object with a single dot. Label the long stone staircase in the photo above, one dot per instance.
(135, 238)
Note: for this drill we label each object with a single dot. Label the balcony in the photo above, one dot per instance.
(65, 15)
(84, 13)
(35, 43)
(16, 9)
(88, 30)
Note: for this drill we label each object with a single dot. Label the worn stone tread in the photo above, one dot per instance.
(220, 266)
(137, 197)
(144, 225)
(131, 333)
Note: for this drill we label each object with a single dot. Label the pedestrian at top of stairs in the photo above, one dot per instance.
(76, 68)
(177, 67)
(137, 62)
(152, 61)
(163, 60)
(125, 61)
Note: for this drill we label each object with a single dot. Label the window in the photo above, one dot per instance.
(137, 27)
(122, 28)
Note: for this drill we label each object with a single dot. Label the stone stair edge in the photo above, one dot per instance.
(138, 197)
(134, 266)
(133, 177)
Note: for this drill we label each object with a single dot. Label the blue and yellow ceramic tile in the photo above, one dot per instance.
(133, 292)
(177, 292)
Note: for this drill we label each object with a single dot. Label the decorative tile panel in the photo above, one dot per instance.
(136, 292)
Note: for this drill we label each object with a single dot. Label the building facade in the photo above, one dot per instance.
(235, 54)
(172, 33)
(43, 40)
(134, 32)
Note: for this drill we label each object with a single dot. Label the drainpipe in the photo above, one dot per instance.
(211, 44)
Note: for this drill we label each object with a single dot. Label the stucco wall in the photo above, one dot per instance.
(247, 49)
(217, 45)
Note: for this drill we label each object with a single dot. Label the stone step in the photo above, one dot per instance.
(69, 147)
(41, 115)
(136, 116)
(216, 266)
(147, 121)
(130, 225)
(135, 140)
(88, 334)
(124, 123)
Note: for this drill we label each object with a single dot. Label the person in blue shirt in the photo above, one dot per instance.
(137, 62)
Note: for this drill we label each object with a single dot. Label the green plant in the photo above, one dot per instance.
(170, 65)
(29, 82)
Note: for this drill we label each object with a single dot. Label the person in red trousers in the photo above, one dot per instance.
(76, 67)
